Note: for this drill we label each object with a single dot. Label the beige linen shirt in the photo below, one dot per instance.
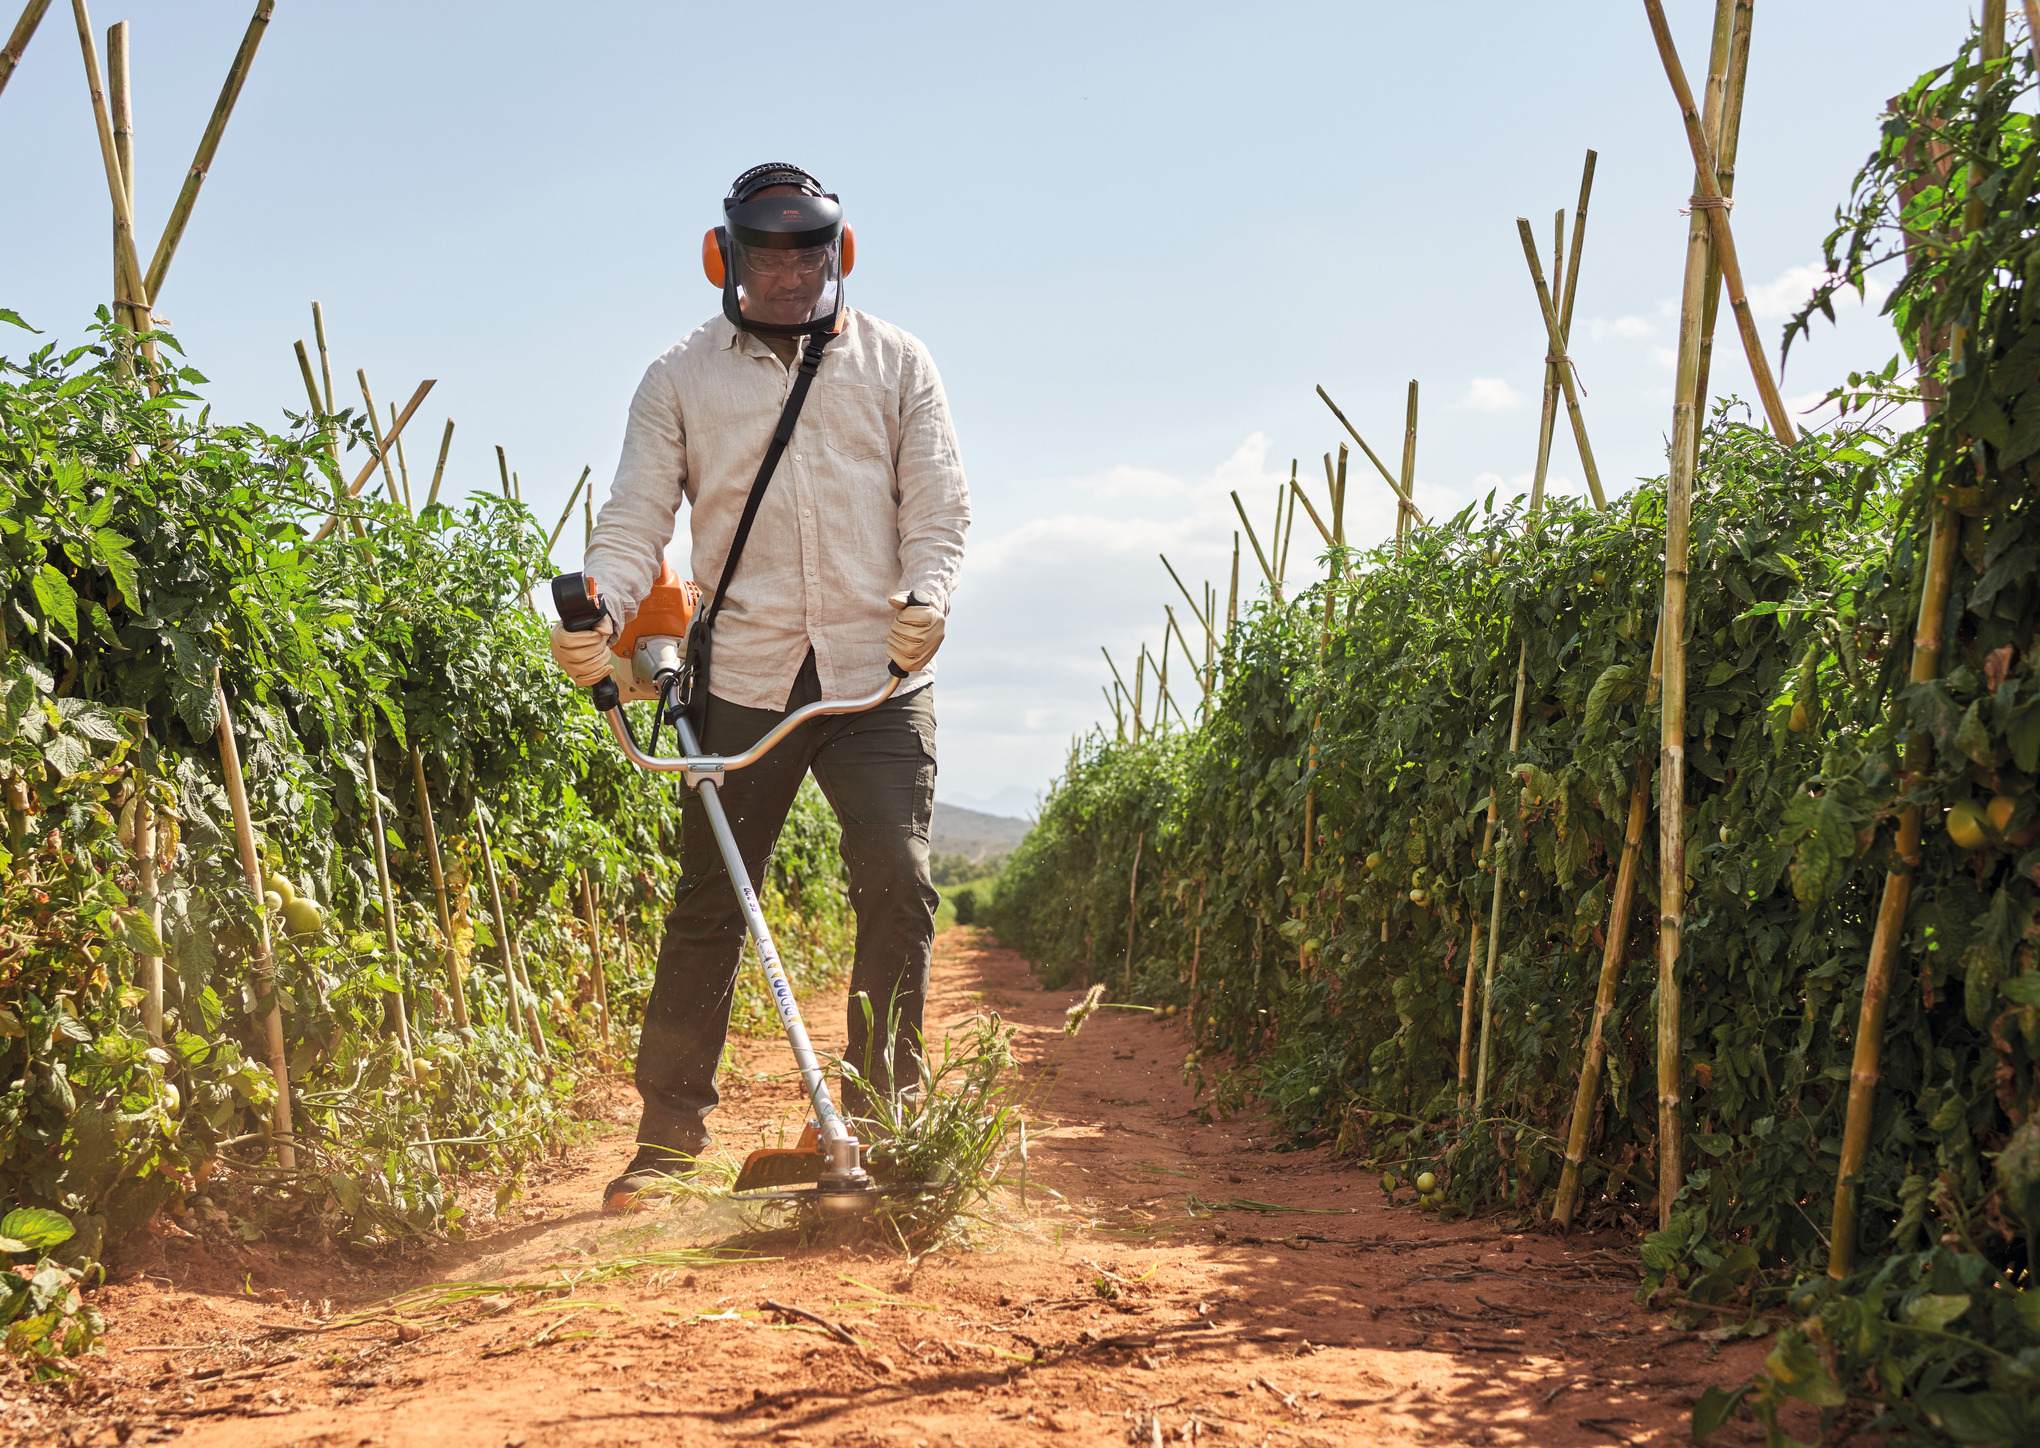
(868, 500)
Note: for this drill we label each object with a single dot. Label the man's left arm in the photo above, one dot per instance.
(934, 503)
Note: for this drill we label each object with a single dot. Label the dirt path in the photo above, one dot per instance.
(1360, 1323)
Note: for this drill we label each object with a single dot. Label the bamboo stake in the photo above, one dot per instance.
(1315, 521)
(1288, 530)
(1866, 1066)
(1561, 364)
(17, 42)
(120, 104)
(325, 359)
(1241, 509)
(1195, 612)
(1379, 466)
(187, 195)
(568, 511)
(1232, 601)
(382, 450)
(600, 982)
(403, 469)
(1112, 703)
(1139, 690)
(146, 871)
(1615, 945)
(503, 467)
(439, 469)
(137, 296)
(1119, 684)
(394, 1011)
(368, 469)
(1672, 747)
(265, 960)
(1197, 941)
(455, 988)
(1613, 949)
(1728, 65)
(1409, 461)
(1177, 629)
(523, 1007)
(1339, 503)
(1709, 200)
(1133, 909)
(587, 523)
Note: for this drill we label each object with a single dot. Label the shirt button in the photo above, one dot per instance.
(807, 512)
(796, 457)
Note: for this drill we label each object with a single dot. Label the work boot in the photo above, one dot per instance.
(651, 1166)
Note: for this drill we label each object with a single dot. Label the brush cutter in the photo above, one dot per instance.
(648, 662)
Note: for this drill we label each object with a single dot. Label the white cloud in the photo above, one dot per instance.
(1628, 328)
(1787, 292)
(1491, 394)
(1664, 356)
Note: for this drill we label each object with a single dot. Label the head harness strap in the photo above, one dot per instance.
(773, 173)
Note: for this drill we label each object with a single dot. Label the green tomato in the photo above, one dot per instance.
(1426, 1182)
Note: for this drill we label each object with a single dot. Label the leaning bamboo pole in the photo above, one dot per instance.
(368, 469)
(265, 959)
(1613, 947)
(147, 846)
(1133, 908)
(1567, 266)
(382, 443)
(600, 980)
(17, 42)
(455, 990)
(439, 468)
(396, 1018)
(1266, 568)
(1404, 520)
(1731, 49)
(119, 103)
(215, 126)
(1561, 365)
(136, 296)
(1727, 68)
(523, 1006)
(1402, 498)
(1866, 1064)
(1708, 202)
(568, 511)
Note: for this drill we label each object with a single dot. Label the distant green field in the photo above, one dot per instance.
(983, 885)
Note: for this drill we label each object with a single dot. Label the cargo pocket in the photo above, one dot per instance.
(852, 423)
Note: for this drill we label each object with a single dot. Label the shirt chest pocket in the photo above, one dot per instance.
(853, 420)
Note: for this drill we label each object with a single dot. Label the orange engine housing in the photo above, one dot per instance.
(665, 611)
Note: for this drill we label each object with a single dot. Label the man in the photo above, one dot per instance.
(851, 563)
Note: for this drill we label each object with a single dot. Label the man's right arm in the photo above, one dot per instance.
(636, 524)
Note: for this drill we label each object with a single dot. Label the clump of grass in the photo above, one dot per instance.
(952, 1132)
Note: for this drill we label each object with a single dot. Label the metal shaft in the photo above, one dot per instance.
(833, 1132)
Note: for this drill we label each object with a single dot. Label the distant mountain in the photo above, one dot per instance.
(959, 831)
(1012, 801)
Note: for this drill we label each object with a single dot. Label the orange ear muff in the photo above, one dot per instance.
(849, 250)
(712, 257)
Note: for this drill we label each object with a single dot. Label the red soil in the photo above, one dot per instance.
(1363, 1324)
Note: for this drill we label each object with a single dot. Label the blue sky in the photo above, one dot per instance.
(1134, 237)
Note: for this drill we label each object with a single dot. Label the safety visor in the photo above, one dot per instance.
(785, 264)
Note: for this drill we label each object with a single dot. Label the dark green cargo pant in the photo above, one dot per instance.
(877, 770)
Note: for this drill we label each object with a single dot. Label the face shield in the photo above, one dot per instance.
(782, 263)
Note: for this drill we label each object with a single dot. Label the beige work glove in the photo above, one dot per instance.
(915, 634)
(583, 657)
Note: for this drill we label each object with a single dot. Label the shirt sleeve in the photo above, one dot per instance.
(934, 502)
(636, 523)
